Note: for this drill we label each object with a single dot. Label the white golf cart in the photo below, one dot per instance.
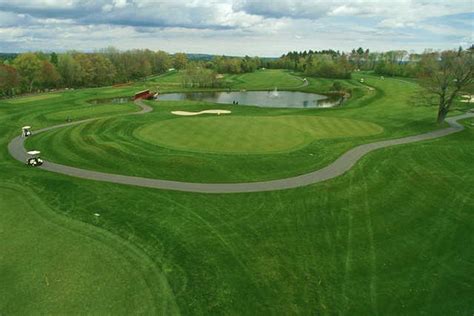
(34, 160)
(26, 131)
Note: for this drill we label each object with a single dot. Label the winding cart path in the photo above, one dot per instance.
(335, 169)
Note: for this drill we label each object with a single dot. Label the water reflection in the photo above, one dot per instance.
(284, 99)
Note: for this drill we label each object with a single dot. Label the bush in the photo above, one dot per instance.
(199, 77)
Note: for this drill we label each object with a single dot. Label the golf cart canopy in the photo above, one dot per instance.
(26, 127)
(34, 152)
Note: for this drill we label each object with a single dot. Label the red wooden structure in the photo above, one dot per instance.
(145, 94)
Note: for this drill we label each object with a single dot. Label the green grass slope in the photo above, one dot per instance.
(393, 236)
(54, 265)
(264, 80)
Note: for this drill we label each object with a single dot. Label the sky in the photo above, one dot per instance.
(235, 27)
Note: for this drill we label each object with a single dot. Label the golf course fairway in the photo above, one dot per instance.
(392, 235)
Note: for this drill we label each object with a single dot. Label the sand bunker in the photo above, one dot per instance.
(186, 113)
(468, 98)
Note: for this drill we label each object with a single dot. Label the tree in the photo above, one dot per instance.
(9, 80)
(326, 66)
(445, 75)
(104, 70)
(86, 70)
(28, 66)
(180, 60)
(69, 69)
(196, 76)
(49, 76)
(54, 59)
(162, 62)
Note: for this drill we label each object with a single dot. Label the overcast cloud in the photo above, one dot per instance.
(234, 27)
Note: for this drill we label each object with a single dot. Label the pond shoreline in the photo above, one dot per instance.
(262, 98)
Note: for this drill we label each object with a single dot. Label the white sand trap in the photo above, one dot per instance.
(186, 113)
(468, 98)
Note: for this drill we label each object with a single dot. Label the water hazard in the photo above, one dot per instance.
(275, 99)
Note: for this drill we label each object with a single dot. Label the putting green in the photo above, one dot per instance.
(250, 135)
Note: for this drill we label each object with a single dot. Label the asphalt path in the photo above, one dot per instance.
(341, 165)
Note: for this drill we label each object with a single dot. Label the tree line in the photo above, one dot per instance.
(336, 64)
(37, 71)
(444, 74)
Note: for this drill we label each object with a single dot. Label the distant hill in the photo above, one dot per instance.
(204, 57)
(208, 57)
(191, 56)
(8, 56)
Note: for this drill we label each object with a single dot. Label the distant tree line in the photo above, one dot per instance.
(336, 64)
(324, 63)
(235, 65)
(39, 71)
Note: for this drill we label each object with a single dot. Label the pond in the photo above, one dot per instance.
(276, 99)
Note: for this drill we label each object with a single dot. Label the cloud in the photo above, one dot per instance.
(8, 19)
(144, 13)
(234, 26)
(400, 10)
(298, 9)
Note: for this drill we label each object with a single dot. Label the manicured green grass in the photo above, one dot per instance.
(90, 111)
(264, 80)
(250, 135)
(393, 236)
(34, 98)
(52, 264)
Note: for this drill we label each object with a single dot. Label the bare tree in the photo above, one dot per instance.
(445, 75)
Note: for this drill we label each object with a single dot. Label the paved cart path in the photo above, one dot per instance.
(335, 169)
